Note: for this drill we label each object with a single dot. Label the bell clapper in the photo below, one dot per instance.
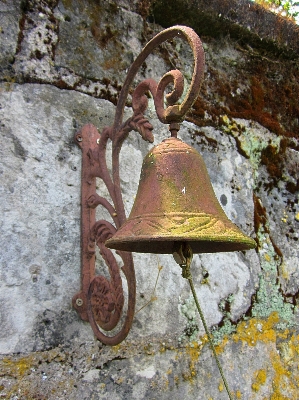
(183, 256)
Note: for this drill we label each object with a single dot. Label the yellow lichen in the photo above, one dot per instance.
(165, 382)
(220, 386)
(283, 368)
(16, 368)
(221, 346)
(285, 381)
(284, 272)
(193, 352)
(285, 217)
(116, 348)
(260, 379)
(267, 257)
(259, 330)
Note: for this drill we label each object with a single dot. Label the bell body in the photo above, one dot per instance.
(175, 202)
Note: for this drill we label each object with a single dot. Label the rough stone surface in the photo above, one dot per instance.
(245, 20)
(62, 66)
(10, 14)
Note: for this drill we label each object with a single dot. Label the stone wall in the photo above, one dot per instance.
(62, 66)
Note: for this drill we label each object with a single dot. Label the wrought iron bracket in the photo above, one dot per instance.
(101, 300)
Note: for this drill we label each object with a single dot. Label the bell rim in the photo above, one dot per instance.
(166, 245)
(207, 233)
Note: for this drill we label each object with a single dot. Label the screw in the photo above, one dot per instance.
(79, 302)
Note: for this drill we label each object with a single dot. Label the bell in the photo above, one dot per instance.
(175, 202)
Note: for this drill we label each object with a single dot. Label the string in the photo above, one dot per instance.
(183, 256)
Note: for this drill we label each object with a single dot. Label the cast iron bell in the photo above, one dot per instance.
(175, 202)
(175, 210)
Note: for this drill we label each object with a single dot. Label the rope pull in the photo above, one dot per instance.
(183, 256)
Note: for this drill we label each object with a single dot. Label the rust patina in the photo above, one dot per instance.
(175, 202)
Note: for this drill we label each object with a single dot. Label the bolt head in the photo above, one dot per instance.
(79, 302)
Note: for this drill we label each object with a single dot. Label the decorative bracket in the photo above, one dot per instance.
(101, 300)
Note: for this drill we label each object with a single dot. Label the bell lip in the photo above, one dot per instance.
(218, 235)
(166, 245)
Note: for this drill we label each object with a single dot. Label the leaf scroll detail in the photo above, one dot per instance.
(142, 125)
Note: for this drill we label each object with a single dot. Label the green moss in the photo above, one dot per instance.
(188, 309)
(226, 329)
(252, 146)
(269, 298)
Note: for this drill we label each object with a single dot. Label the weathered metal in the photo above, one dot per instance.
(101, 300)
(175, 202)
